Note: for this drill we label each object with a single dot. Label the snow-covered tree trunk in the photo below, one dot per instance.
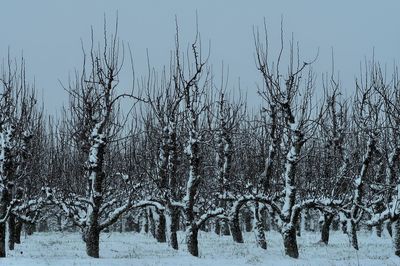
(192, 150)
(396, 236)
(95, 177)
(173, 184)
(4, 201)
(14, 224)
(92, 240)
(289, 222)
(259, 229)
(6, 134)
(226, 124)
(290, 241)
(355, 214)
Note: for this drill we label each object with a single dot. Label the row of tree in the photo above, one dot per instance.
(181, 146)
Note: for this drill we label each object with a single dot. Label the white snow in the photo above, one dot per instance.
(140, 249)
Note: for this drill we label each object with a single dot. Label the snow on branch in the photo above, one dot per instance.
(208, 215)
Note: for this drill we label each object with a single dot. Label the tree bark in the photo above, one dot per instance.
(146, 221)
(18, 230)
(307, 220)
(225, 228)
(260, 235)
(259, 228)
(298, 225)
(396, 236)
(4, 200)
(161, 228)
(30, 228)
(335, 224)
(11, 232)
(217, 228)
(290, 241)
(328, 218)
(191, 240)
(353, 234)
(247, 221)
(389, 228)
(378, 230)
(235, 229)
(2, 240)
(92, 239)
(174, 226)
(152, 224)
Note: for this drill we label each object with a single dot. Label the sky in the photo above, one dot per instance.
(49, 33)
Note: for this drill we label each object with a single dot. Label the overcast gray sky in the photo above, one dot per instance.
(49, 34)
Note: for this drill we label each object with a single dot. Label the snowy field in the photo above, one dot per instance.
(141, 249)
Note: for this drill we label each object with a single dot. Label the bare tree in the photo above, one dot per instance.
(18, 118)
(95, 123)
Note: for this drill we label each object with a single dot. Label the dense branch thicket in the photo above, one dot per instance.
(178, 151)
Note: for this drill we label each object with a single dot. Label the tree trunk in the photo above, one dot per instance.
(344, 226)
(259, 228)
(92, 239)
(11, 232)
(335, 224)
(298, 225)
(174, 226)
(307, 220)
(191, 240)
(247, 221)
(120, 225)
(235, 229)
(2, 240)
(129, 224)
(146, 221)
(161, 228)
(152, 224)
(30, 229)
(353, 234)
(43, 226)
(290, 241)
(260, 235)
(396, 236)
(389, 228)
(225, 228)
(378, 230)
(4, 200)
(328, 218)
(217, 228)
(136, 224)
(18, 229)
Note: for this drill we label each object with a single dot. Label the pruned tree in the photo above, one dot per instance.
(95, 122)
(18, 119)
(298, 125)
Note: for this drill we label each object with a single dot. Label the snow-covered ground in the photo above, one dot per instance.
(140, 249)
